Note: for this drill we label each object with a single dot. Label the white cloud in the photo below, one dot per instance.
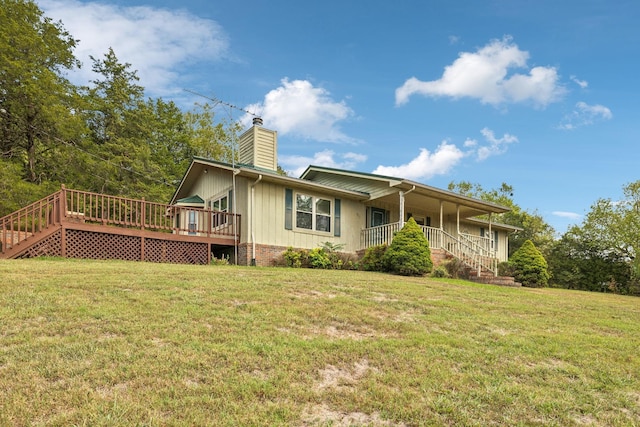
(582, 83)
(300, 109)
(584, 115)
(427, 164)
(496, 145)
(568, 215)
(156, 42)
(484, 75)
(295, 165)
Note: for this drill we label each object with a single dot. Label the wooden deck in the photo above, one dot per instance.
(78, 224)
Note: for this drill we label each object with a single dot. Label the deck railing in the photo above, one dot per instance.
(99, 209)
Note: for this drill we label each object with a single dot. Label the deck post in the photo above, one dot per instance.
(63, 212)
(142, 215)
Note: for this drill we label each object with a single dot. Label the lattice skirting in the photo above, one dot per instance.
(92, 245)
(86, 244)
(51, 246)
(157, 250)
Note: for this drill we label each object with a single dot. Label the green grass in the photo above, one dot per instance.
(114, 343)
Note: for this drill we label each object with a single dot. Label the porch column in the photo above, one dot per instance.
(441, 215)
(401, 193)
(457, 220)
(491, 236)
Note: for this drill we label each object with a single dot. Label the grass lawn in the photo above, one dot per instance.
(115, 343)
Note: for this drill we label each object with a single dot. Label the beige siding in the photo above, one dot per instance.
(258, 147)
(270, 221)
(213, 183)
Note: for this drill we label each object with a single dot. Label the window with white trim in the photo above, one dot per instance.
(313, 213)
(220, 208)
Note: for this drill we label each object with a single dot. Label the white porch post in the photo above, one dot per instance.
(457, 220)
(491, 242)
(441, 215)
(401, 193)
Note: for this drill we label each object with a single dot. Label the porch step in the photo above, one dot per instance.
(490, 279)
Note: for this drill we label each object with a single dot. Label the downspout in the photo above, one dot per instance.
(253, 201)
(402, 195)
(235, 216)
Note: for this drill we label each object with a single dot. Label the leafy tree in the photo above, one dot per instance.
(36, 100)
(529, 266)
(616, 225)
(578, 262)
(409, 253)
(211, 141)
(533, 226)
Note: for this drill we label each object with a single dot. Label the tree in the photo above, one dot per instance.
(36, 100)
(616, 226)
(409, 253)
(216, 142)
(578, 262)
(529, 266)
(533, 226)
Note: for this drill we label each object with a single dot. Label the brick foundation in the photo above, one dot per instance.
(266, 255)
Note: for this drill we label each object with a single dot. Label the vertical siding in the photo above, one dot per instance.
(269, 221)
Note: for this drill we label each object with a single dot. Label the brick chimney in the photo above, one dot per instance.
(258, 147)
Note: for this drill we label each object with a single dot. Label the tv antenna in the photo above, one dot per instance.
(256, 120)
(218, 101)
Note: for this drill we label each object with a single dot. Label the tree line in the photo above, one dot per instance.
(108, 137)
(105, 136)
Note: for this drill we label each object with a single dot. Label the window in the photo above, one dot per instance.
(193, 225)
(313, 213)
(220, 207)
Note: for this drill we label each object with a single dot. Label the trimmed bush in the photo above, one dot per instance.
(409, 253)
(529, 266)
(372, 259)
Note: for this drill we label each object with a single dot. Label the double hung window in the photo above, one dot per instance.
(313, 213)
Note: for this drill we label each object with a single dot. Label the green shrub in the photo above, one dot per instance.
(456, 268)
(505, 269)
(529, 266)
(372, 259)
(318, 258)
(440, 271)
(409, 253)
(292, 258)
(324, 257)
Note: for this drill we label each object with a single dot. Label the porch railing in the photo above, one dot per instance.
(383, 234)
(475, 251)
(100, 209)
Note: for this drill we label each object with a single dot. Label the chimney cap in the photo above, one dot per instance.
(257, 121)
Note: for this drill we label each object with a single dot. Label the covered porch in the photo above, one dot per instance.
(449, 221)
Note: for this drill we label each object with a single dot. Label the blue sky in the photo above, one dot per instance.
(542, 95)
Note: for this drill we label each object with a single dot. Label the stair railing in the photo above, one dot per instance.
(34, 218)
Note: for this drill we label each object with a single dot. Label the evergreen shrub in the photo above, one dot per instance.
(409, 253)
(529, 266)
